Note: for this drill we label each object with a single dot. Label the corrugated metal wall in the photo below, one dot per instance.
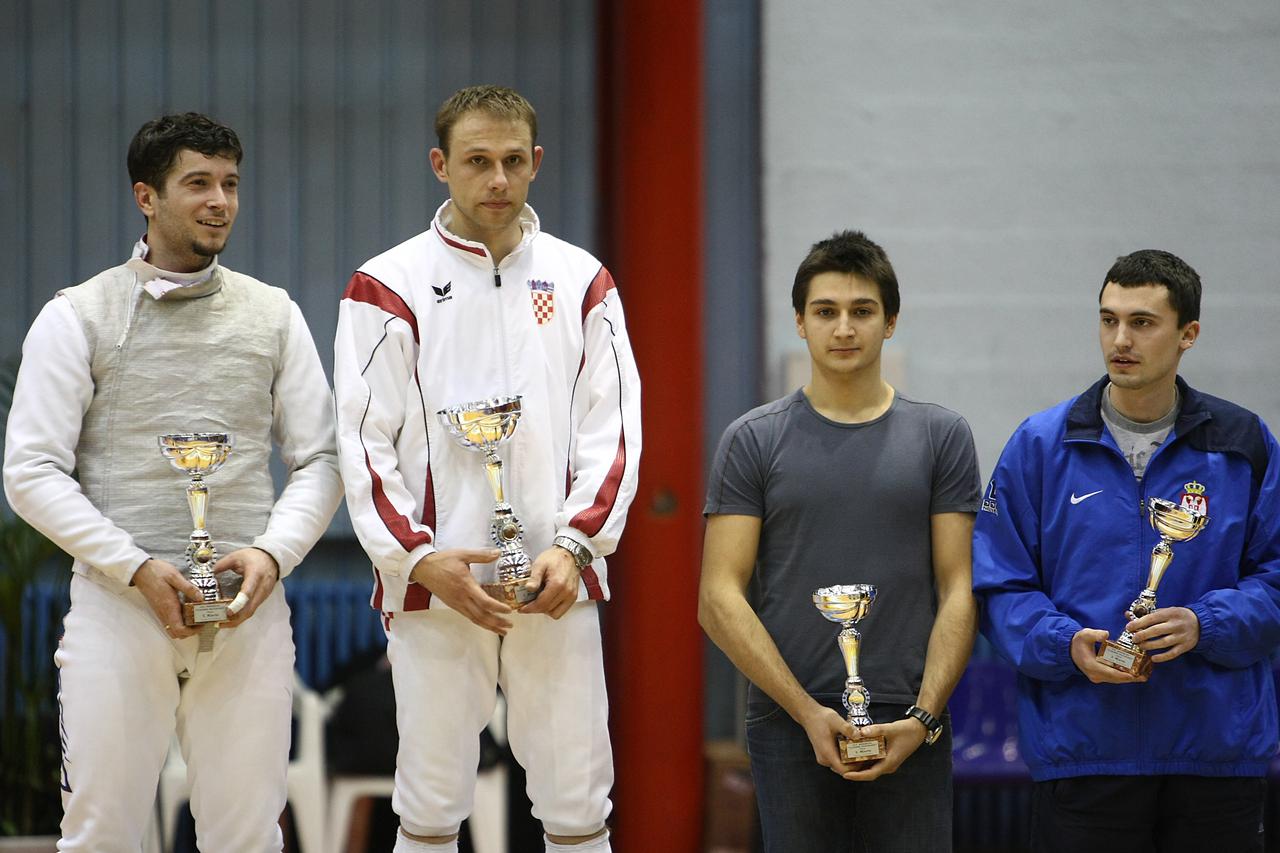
(333, 101)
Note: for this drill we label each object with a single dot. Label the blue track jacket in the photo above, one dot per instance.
(1063, 543)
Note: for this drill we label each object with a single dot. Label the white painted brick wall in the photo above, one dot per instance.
(1004, 154)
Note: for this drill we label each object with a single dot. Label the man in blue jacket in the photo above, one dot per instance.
(1173, 760)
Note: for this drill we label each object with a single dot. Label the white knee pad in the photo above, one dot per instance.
(404, 844)
(599, 844)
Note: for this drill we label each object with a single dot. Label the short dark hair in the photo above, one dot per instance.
(1154, 266)
(852, 253)
(497, 101)
(156, 145)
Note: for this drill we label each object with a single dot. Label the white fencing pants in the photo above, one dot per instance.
(121, 698)
(446, 672)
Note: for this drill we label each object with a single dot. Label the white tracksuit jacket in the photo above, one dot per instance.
(433, 323)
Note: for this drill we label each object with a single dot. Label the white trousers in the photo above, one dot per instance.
(446, 672)
(121, 698)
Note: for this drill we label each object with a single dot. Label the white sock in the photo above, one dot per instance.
(595, 845)
(404, 844)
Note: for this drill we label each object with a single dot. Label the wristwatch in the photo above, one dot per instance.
(932, 724)
(580, 554)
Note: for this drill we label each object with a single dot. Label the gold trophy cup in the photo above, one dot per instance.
(482, 426)
(847, 605)
(1174, 523)
(198, 454)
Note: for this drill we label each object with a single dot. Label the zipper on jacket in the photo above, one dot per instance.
(502, 333)
(506, 371)
(132, 306)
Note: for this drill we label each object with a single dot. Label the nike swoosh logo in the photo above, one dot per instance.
(1076, 500)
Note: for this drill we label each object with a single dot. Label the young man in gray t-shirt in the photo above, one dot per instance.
(845, 481)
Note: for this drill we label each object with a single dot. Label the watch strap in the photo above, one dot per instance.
(933, 726)
(581, 556)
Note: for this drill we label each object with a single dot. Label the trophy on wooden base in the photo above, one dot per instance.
(198, 454)
(1174, 523)
(482, 426)
(847, 605)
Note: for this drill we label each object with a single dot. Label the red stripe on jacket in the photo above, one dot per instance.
(592, 582)
(463, 246)
(394, 521)
(596, 292)
(367, 289)
(591, 519)
(417, 596)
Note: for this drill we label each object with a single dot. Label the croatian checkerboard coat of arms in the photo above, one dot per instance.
(544, 300)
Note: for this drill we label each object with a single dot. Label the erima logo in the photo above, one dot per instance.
(442, 293)
(1075, 500)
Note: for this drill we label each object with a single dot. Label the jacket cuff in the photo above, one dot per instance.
(577, 536)
(405, 569)
(1208, 626)
(1063, 647)
(127, 567)
(283, 557)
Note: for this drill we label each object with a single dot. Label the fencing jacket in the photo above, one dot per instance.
(434, 322)
(109, 365)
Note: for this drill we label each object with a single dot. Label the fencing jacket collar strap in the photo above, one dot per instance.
(529, 227)
(163, 284)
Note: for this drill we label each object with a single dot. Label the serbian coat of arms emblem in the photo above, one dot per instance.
(1194, 498)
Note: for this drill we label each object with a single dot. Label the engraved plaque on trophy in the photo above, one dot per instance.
(1174, 523)
(482, 426)
(848, 605)
(198, 454)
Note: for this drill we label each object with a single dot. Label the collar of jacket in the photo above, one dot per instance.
(172, 287)
(475, 252)
(1208, 424)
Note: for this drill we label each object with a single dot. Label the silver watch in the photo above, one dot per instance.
(581, 555)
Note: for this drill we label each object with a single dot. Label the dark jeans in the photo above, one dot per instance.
(805, 808)
(1148, 814)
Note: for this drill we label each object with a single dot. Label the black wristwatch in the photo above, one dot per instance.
(581, 556)
(932, 724)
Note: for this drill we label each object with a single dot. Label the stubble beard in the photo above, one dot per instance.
(208, 250)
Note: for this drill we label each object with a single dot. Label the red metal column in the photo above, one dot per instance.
(651, 177)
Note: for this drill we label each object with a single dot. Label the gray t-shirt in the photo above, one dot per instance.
(1138, 441)
(842, 504)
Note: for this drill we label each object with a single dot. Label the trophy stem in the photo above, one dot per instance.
(198, 501)
(856, 697)
(493, 469)
(1161, 557)
(849, 641)
(1142, 605)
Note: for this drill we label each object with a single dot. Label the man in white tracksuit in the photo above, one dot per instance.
(481, 305)
(173, 342)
